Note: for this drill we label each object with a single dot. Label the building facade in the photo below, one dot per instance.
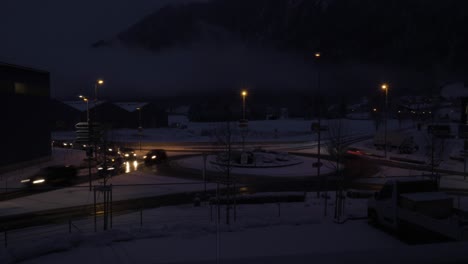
(26, 114)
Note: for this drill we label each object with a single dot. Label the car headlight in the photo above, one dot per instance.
(126, 155)
(25, 180)
(38, 181)
(100, 168)
(134, 154)
(144, 157)
(153, 157)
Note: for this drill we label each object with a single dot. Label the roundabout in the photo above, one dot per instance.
(256, 159)
(258, 163)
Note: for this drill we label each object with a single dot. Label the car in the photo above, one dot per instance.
(58, 143)
(113, 166)
(110, 151)
(128, 153)
(155, 156)
(52, 176)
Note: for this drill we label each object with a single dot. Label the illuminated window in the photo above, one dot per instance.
(21, 88)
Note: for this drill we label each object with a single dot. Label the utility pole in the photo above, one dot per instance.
(319, 115)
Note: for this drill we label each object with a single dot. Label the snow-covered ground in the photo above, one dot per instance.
(265, 233)
(258, 131)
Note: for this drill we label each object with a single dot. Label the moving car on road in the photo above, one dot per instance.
(155, 156)
(128, 153)
(52, 176)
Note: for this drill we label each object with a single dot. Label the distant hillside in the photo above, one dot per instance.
(397, 32)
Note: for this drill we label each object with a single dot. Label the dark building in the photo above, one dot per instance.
(154, 116)
(110, 115)
(66, 114)
(26, 121)
(146, 115)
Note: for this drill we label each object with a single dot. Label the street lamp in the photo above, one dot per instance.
(385, 88)
(140, 128)
(88, 145)
(84, 98)
(99, 82)
(243, 122)
(244, 94)
(317, 56)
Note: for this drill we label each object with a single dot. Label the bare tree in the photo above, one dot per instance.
(224, 137)
(336, 149)
(435, 148)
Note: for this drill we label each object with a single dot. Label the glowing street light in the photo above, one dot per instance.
(244, 94)
(99, 82)
(84, 98)
(385, 88)
(88, 145)
(140, 128)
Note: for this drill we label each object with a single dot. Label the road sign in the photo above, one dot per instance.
(86, 133)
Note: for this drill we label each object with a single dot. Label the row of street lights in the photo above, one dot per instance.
(99, 82)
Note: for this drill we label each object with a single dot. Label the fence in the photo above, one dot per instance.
(186, 215)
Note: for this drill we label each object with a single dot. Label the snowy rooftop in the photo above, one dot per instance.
(130, 106)
(82, 105)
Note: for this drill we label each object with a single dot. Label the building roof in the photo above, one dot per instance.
(81, 105)
(29, 68)
(130, 106)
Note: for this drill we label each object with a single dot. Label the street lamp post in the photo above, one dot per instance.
(99, 82)
(243, 129)
(244, 94)
(385, 88)
(140, 128)
(87, 107)
(88, 155)
(317, 56)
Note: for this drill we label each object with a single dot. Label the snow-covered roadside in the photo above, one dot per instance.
(266, 229)
(186, 234)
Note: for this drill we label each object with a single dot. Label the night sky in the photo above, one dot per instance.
(57, 35)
